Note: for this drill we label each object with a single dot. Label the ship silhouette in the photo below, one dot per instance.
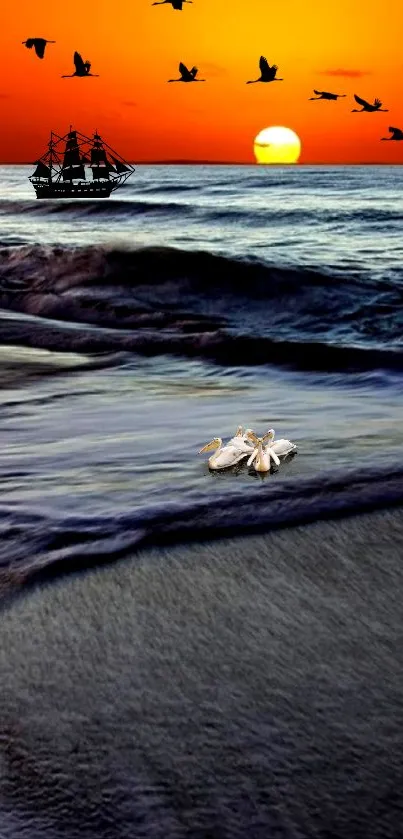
(62, 171)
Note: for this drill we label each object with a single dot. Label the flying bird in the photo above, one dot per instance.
(397, 134)
(367, 106)
(187, 75)
(176, 4)
(82, 67)
(268, 74)
(39, 45)
(323, 94)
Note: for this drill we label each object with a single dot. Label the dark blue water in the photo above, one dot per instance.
(134, 330)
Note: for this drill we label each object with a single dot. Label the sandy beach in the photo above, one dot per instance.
(245, 687)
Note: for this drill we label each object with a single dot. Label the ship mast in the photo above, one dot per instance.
(72, 166)
(100, 165)
(50, 156)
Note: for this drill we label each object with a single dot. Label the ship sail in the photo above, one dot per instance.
(72, 157)
(100, 165)
(120, 167)
(98, 154)
(100, 172)
(41, 171)
(72, 167)
(70, 173)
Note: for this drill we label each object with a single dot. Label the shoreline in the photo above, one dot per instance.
(329, 502)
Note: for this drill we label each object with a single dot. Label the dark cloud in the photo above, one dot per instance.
(130, 104)
(4, 96)
(348, 74)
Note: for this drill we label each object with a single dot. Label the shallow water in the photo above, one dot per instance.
(104, 453)
(134, 330)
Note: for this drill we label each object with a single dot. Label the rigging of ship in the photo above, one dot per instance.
(62, 173)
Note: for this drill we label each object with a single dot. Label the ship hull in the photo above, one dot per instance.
(69, 190)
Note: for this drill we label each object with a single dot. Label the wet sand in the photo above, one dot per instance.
(240, 688)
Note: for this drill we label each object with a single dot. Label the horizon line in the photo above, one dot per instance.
(184, 162)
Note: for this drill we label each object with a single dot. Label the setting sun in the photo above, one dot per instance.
(277, 145)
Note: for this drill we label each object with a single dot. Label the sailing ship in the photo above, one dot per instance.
(62, 171)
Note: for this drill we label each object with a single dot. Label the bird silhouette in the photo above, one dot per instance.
(187, 75)
(268, 74)
(39, 45)
(367, 106)
(82, 67)
(323, 94)
(397, 134)
(176, 4)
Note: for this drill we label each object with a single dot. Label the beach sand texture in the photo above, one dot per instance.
(250, 687)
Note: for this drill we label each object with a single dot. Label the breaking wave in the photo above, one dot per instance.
(75, 542)
(196, 303)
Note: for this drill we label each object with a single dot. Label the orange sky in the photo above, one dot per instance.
(136, 47)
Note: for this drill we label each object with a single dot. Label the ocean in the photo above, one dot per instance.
(132, 332)
(267, 297)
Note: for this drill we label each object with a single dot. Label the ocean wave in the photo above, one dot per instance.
(126, 208)
(197, 339)
(167, 189)
(84, 208)
(19, 363)
(76, 542)
(389, 218)
(56, 268)
(233, 311)
(108, 208)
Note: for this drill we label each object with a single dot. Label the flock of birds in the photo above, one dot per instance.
(268, 73)
(82, 68)
(260, 451)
